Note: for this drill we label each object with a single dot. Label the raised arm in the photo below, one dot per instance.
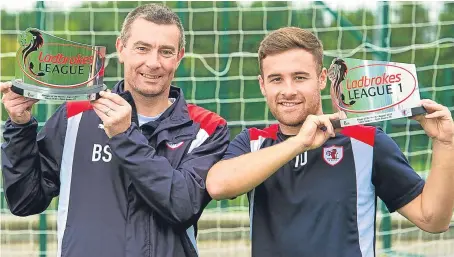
(433, 208)
(240, 174)
(30, 162)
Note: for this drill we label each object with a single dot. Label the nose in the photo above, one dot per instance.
(289, 90)
(152, 60)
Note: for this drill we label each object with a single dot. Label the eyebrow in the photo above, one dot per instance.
(301, 73)
(293, 74)
(142, 43)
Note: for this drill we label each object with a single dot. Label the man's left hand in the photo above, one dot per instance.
(114, 111)
(438, 122)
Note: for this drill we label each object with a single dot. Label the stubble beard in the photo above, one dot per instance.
(137, 90)
(313, 109)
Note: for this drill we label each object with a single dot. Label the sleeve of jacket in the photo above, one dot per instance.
(177, 195)
(31, 163)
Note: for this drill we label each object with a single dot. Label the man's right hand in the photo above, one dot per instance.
(17, 106)
(315, 131)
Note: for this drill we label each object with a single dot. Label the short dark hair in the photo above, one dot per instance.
(289, 38)
(155, 13)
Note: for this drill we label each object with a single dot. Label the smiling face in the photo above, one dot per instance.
(291, 85)
(150, 56)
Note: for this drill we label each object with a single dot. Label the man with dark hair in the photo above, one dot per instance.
(130, 167)
(312, 191)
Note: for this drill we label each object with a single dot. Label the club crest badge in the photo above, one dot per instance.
(333, 154)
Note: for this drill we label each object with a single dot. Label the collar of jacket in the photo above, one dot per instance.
(173, 117)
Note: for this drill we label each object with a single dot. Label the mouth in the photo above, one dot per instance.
(289, 104)
(148, 76)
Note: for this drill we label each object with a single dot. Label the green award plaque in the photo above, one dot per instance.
(52, 68)
(372, 91)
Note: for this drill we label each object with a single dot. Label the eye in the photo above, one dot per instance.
(141, 49)
(167, 53)
(300, 78)
(276, 80)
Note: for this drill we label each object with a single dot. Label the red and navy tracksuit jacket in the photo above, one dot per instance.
(139, 193)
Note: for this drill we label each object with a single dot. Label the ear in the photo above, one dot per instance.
(322, 79)
(120, 47)
(180, 56)
(262, 85)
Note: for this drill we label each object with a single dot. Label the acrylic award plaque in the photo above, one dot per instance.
(52, 68)
(368, 91)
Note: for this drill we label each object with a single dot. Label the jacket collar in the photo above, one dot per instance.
(176, 115)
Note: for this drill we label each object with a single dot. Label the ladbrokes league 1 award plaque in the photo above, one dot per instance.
(51, 68)
(372, 91)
